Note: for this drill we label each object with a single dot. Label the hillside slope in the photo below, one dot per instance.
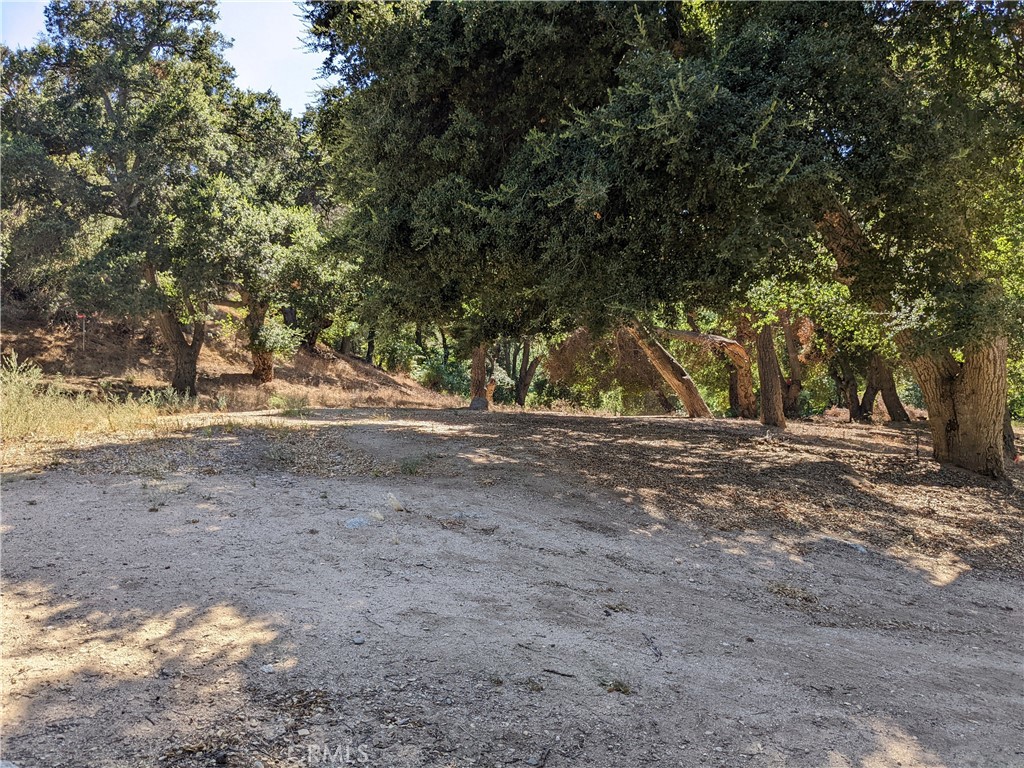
(117, 357)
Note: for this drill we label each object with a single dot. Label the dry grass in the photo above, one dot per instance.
(36, 415)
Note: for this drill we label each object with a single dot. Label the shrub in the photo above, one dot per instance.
(432, 372)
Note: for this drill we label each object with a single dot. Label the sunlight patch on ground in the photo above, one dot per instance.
(894, 747)
(47, 645)
(941, 571)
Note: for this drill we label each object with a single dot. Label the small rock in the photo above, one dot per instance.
(357, 522)
(273, 732)
(268, 668)
(532, 761)
(357, 640)
(303, 731)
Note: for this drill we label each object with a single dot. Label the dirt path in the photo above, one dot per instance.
(420, 588)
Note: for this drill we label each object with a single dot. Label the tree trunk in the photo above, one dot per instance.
(444, 346)
(880, 376)
(1009, 443)
(867, 402)
(738, 365)
(965, 409)
(734, 388)
(792, 386)
(263, 366)
(371, 343)
(184, 353)
(312, 337)
(478, 379)
(770, 375)
(848, 387)
(966, 405)
(663, 400)
(262, 360)
(186, 365)
(527, 368)
(672, 372)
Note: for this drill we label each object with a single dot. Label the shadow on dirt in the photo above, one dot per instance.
(760, 597)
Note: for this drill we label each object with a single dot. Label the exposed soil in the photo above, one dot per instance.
(121, 359)
(445, 588)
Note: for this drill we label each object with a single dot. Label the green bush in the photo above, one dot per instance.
(278, 338)
(432, 372)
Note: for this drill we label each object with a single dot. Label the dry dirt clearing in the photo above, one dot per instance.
(440, 588)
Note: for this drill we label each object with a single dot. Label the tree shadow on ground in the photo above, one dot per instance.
(174, 673)
(872, 485)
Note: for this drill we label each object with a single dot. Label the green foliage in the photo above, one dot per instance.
(435, 101)
(433, 372)
(1016, 394)
(274, 336)
(396, 350)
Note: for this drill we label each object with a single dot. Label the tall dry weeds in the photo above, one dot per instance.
(32, 410)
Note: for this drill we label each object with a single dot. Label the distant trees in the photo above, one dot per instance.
(162, 186)
(715, 186)
(118, 112)
(563, 165)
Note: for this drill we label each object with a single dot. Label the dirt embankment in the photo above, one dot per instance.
(123, 358)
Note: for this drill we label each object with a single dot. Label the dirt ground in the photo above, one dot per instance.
(439, 588)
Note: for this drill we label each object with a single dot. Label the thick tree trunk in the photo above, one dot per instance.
(184, 352)
(734, 388)
(964, 413)
(478, 379)
(867, 402)
(186, 365)
(881, 379)
(1009, 442)
(312, 337)
(966, 405)
(262, 360)
(672, 372)
(263, 366)
(770, 375)
(527, 370)
(741, 377)
(792, 386)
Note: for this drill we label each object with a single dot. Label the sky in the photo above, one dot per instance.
(267, 52)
